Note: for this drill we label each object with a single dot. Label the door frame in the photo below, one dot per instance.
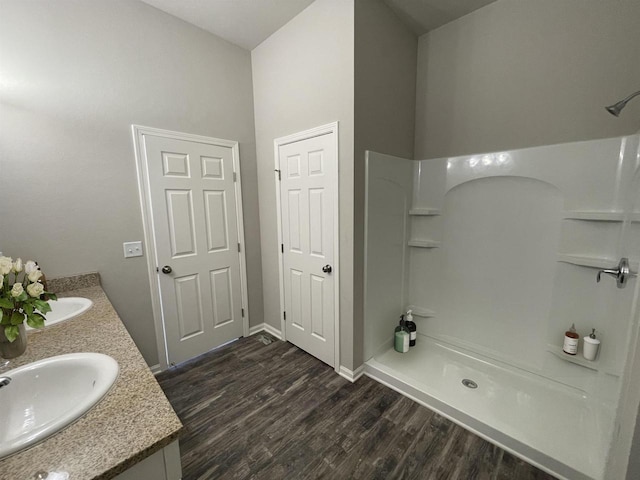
(144, 190)
(332, 129)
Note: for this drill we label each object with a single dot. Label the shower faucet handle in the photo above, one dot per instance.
(621, 274)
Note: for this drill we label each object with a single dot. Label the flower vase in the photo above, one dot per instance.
(9, 350)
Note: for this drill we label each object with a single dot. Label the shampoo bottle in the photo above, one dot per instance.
(413, 329)
(571, 339)
(591, 345)
(401, 339)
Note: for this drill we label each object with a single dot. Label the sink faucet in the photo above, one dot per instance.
(4, 381)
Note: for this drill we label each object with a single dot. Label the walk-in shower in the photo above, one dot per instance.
(497, 255)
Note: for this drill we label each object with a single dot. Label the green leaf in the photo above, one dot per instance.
(22, 297)
(11, 332)
(35, 320)
(52, 296)
(6, 303)
(42, 306)
(17, 318)
(28, 308)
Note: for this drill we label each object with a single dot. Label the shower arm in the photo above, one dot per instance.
(626, 100)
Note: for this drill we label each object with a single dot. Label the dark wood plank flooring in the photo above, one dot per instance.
(256, 411)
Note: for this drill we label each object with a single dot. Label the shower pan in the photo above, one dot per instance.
(497, 254)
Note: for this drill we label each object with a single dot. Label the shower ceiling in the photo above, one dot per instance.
(247, 23)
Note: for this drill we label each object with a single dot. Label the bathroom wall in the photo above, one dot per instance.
(74, 76)
(385, 86)
(303, 78)
(516, 74)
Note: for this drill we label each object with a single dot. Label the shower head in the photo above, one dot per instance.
(616, 108)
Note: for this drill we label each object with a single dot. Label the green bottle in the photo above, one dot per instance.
(402, 336)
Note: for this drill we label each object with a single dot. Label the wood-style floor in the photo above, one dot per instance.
(256, 411)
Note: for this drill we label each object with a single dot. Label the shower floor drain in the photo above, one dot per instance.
(469, 383)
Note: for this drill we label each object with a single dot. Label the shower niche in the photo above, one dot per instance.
(497, 255)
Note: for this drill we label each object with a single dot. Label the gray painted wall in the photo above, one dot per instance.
(385, 103)
(517, 74)
(303, 78)
(75, 74)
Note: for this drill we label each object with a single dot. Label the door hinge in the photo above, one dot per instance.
(239, 248)
(242, 312)
(284, 314)
(282, 247)
(235, 177)
(279, 174)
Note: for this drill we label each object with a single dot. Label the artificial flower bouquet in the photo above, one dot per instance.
(22, 296)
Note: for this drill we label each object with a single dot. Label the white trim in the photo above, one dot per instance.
(265, 327)
(330, 128)
(351, 375)
(144, 190)
(155, 369)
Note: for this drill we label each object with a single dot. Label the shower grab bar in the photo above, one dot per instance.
(621, 274)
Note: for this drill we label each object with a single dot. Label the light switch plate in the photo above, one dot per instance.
(132, 249)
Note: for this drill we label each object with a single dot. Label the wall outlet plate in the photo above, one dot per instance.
(132, 249)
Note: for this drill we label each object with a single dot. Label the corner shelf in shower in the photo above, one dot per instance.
(421, 312)
(593, 262)
(424, 243)
(600, 215)
(424, 211)
(580, 360)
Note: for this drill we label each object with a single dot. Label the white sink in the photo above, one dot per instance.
(44, 397)
(64, 309)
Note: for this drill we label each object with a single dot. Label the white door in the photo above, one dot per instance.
(308, 182)
(193, 202)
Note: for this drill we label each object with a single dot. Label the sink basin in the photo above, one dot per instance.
(44, 397)
(64, 309)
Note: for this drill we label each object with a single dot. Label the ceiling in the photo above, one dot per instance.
(248, 23)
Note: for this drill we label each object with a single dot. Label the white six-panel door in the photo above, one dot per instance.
(308, 182)
(194, 212)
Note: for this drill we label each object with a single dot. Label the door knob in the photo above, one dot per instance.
(327, 269)
(167, 269)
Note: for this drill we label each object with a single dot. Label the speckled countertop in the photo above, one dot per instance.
(130, 423)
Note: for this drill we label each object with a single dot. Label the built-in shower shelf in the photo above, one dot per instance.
(595, 262)
(576, 359)
(600, 216)
(580, 360)
(424, 243)
(588, 261)
(422, 312)
(424, 211)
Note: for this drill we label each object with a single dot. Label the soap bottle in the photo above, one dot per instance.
(411, 326)
(401, 339)
(571, 339)
(591, 346)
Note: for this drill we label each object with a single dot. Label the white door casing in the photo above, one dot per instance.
(307, 185)
(192, 211)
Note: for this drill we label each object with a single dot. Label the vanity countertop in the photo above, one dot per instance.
(133, 421)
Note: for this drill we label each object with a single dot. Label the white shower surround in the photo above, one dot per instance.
(441, 238)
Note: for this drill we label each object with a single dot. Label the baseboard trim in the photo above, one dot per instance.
(351, 375)
(155, 369)
(265, 327)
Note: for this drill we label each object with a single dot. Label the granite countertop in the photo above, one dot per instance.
(134, 419)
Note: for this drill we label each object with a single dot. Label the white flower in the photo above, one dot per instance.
(1, 280)
(17, 290)
(6, 265)
(35, 289)
(34, 276)
(17, 266)
(30, 266)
